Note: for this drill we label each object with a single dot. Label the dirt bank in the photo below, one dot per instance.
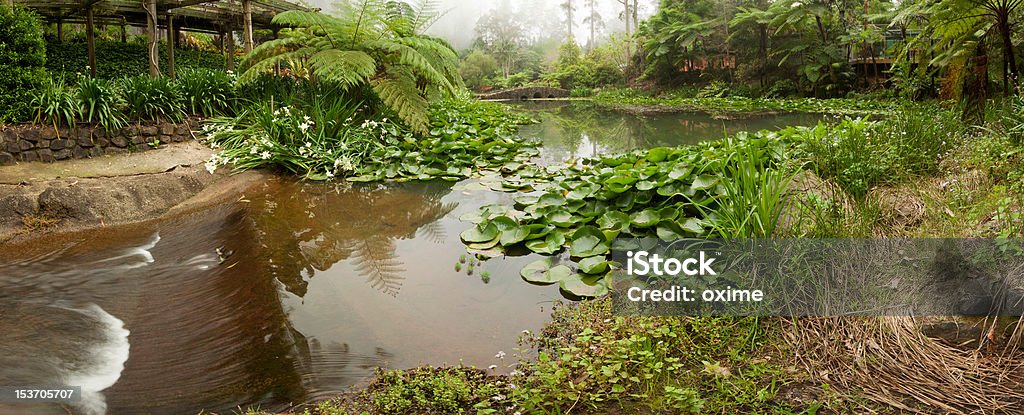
(37, 198)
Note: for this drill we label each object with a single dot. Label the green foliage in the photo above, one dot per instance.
(478, 68)
(861, 154)
(115, 59)
(466, 137)
(152, 98)
(55, 103)
(666, 193)
(309, 140)
(99, 102)
(448, 391)
(206, 92)
(685, 101)
(370, 45)
(589, 359)
(22, 56)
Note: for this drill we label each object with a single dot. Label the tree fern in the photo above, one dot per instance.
(373, 43)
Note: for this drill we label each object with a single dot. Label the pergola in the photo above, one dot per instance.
(221, 17)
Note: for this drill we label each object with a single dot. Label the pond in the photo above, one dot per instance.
(580, 129)
(295, 292)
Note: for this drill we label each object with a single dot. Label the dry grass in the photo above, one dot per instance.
(37, 223)
(887, 360)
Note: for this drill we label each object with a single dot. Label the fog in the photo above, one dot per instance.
(460, 16)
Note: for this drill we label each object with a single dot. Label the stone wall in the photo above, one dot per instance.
(27, 142)
(526, 93)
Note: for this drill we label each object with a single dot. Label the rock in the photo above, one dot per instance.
(30, 134)
(6, 159)
(13, 148)
(96, 152)
(119, 141)
(149, 130)
(47, 134)
(60, 144)
(166, 129)
(25, 145)
(79, 152)
(29, 156)
(86, 141)
(62, 154)
(46, 156)
(138, 140)
(113, 151)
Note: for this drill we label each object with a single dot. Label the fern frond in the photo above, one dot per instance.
(268, 64)
(402, 96)
(408, 56)
(347, 67)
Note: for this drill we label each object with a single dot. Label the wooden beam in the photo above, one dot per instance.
(247, 24)
(90, 39)
(154, 50)
(170, 45)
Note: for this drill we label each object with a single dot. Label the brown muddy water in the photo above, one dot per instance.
(295, 292)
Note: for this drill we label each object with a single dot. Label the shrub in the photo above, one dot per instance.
(116, 59)
(54, 103)
(98, 102)
(152, 98)
(22, 58)
(206, 92)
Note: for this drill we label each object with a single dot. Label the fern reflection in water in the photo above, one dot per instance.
(308, 228)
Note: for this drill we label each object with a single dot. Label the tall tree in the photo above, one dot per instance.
(569, 8)
(594, 20)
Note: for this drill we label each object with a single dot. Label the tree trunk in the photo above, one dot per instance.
(1010, 78)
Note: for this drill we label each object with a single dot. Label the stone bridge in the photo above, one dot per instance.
(525, 93)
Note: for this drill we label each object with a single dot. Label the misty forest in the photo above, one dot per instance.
(271, 207)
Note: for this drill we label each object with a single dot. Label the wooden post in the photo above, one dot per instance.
(90, 39)
(231, 49)
(124, 30)
(10, 3)
(247, 24)
(151, 36)
(170, 45)
(60, 30)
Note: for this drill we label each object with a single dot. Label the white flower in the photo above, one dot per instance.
(211, 166)
(309, 145)
(306, 118)
(254, 150)
(492, 367)
(304, 126)
(330, 174)
(265, 155)
(500, 355)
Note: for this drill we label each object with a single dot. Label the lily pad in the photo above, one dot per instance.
(482, 232)
(594, 265)
(541, 272)
(589, 286)
(646, 218)
(551, 243)
(588, 241)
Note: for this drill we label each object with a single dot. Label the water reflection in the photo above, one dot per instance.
(294, 292)
(305, 229)
(579, 129)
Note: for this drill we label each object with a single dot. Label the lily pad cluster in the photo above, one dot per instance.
(665, 192)
(466, 137)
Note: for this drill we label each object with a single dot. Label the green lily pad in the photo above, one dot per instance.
(704, 182)
(541, 272)
(588, 241)
(590, 286)
(646, 218)
(594, 265)
(551, 243)
(614, 220)
(482, 232)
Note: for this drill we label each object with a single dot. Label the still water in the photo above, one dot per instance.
(294, 292)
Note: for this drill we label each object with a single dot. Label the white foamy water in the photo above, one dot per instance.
(103, 363)
(143, 251)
